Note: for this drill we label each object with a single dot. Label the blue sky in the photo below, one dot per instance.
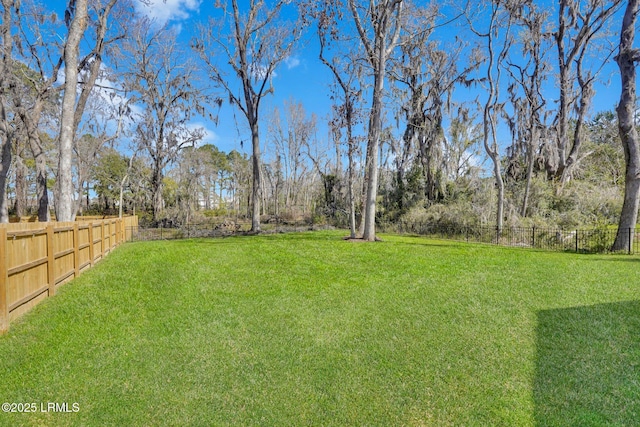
(302, 78)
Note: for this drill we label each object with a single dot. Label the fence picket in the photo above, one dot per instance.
(76, 250)
(50, 261)
(92, 257)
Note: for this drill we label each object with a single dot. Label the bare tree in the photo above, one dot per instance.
(497, 46)
(162, 81)
(379, 25)
(291, 134)
(77, 18)
(64, 191)
(579, 23)
(35, 94)
(528, 122)
(256, 43)
(627, 59)
(101, 115)
(347, 73)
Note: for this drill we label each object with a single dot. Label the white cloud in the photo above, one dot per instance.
(291, 62)
(210, 136)
(168, 10)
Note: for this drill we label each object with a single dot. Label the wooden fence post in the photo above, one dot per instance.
(76, 250)
(50, 261)
(114, 234)
(4, 304)
(91, 254)
(102, 239)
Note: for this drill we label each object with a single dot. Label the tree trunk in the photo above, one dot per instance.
(527, 187)
(5, 129)
(369, 233)
(87, 197)
(500, 201)
(557, 169)
(256, 190)
(427, 155)
(530, 163)
(156, 188)
(30, 121)
(352, 178)
(489, 138)
(21, 188)
(121, 198)
(497, 173)
(363, 195)
(626, 60)
(386, 26)
(80, 181)
(248, 204)
(64, 198)
(5, 163)
(42, 193)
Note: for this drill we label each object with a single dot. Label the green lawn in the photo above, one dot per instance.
(308, 329)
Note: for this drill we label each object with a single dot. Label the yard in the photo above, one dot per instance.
(309, 329)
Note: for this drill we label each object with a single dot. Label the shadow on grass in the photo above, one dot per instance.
(588, 366)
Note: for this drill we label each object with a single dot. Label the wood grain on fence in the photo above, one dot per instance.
(37, 258)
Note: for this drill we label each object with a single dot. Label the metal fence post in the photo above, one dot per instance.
(533, 237)
(576, 241)
(630, 241)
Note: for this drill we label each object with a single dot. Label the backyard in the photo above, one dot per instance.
(310, 329)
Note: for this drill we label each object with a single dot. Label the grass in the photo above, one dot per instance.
(308, 329)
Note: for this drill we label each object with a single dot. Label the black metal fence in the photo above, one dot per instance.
(596, 240)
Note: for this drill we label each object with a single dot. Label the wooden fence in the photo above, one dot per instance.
(37, 258)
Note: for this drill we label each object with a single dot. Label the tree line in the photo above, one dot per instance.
(477, 113)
